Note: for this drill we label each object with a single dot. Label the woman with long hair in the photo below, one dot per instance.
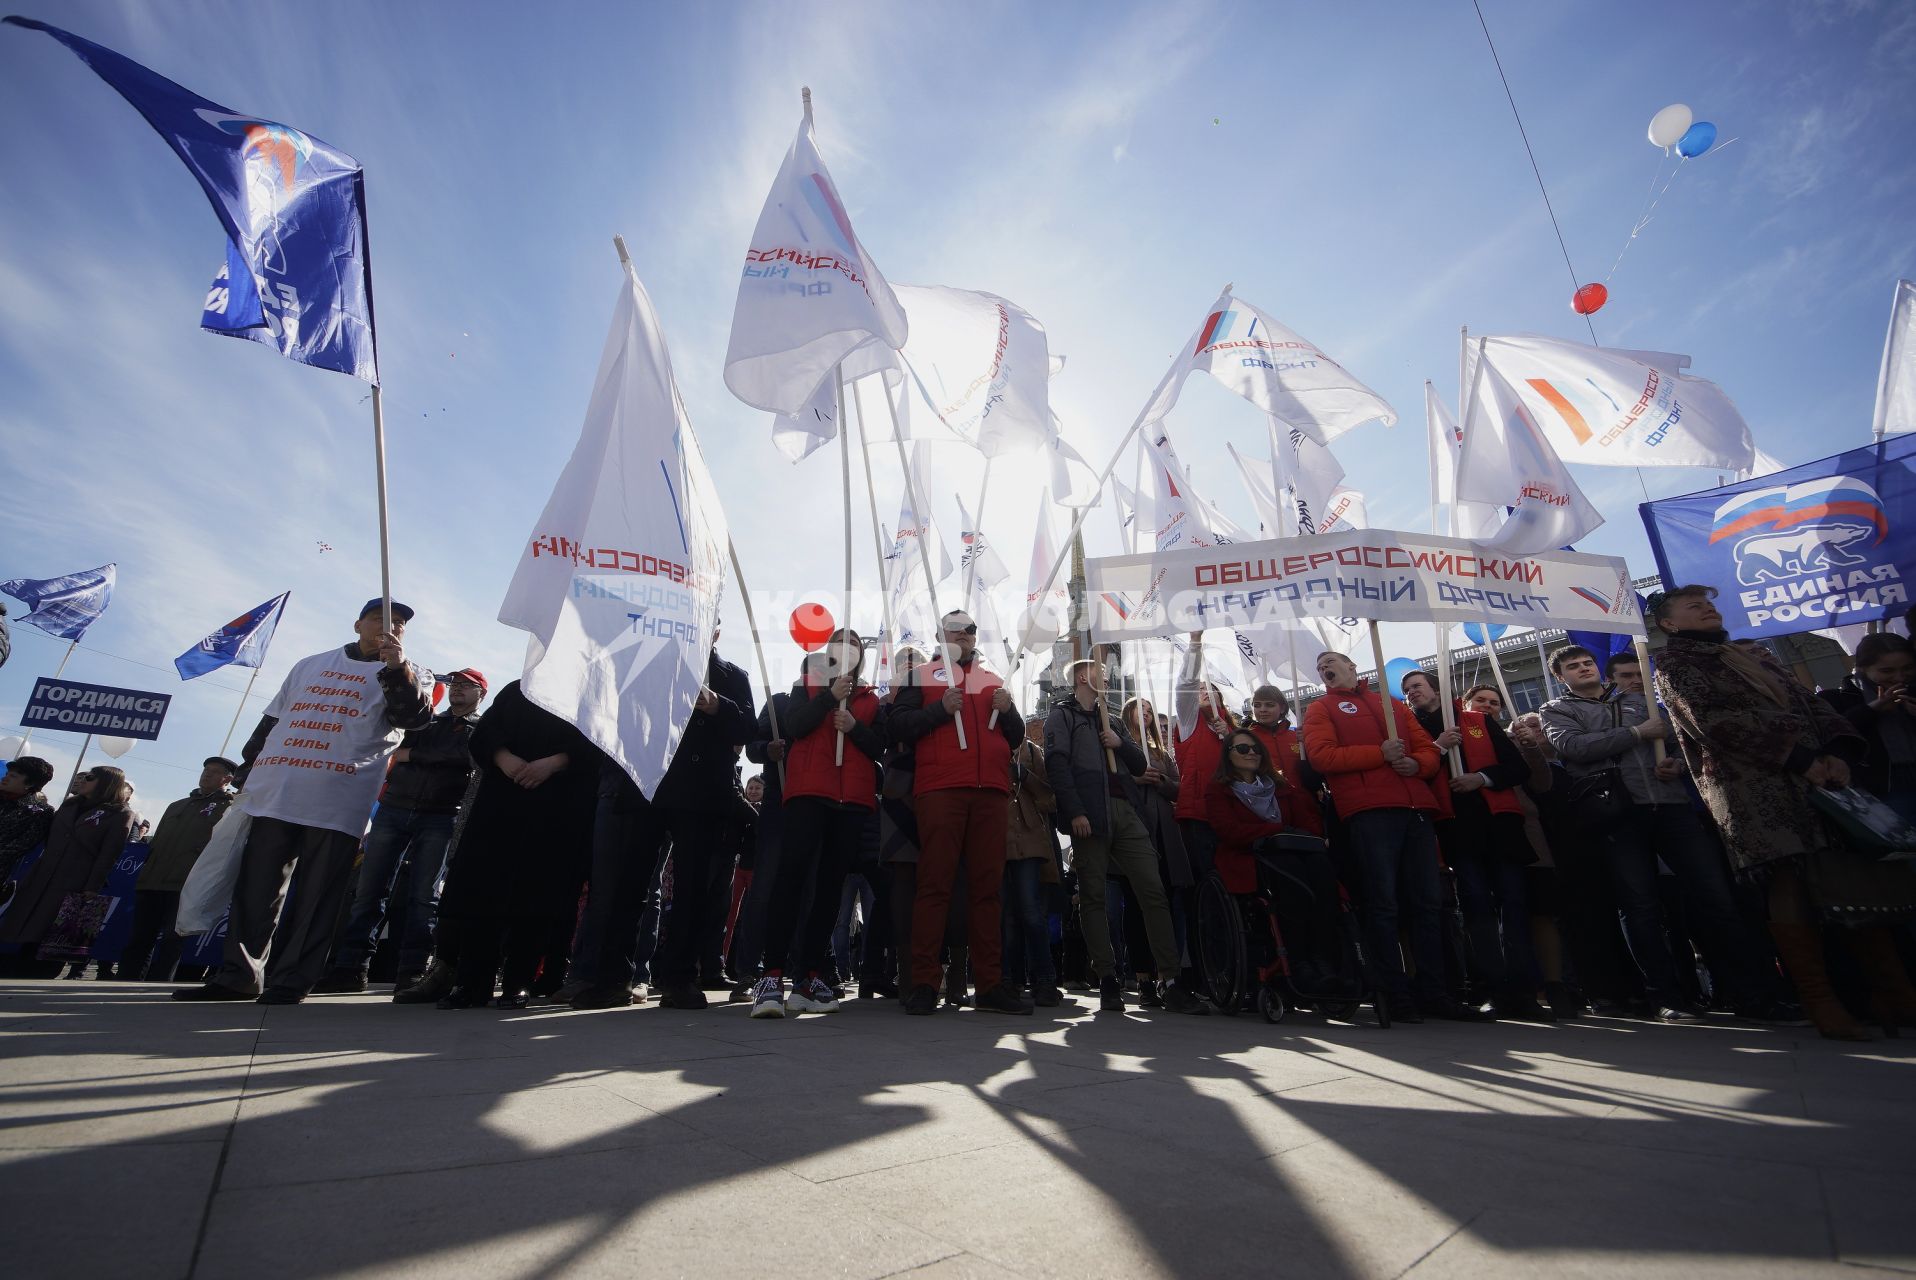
(829, 797)
(87, 836)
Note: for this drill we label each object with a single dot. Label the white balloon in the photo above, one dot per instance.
(115, 747)
(10, 748)
(1669, 124)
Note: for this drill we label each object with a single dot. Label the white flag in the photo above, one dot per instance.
(1275, 369)
(1507, 461)
(799, 435)
(1047, 611)
(1473, 520)
(619, 583)
(982, 365)
(1896, 388)
(1074, 482)
(1126, 511)
(810, 294)
(1345, 510)
(1257, 483)
(913, 529)
(1180, 518)
(1613, 408)
(980, 559)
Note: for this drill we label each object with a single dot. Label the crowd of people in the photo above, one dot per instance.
(1643, 849)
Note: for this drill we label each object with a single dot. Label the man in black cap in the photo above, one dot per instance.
(309, 777)
(152, 949)
(412, 829)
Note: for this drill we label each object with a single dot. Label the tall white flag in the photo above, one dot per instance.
(1257, 484)
(913, 529)
(1180, 518)
(982, 563)
(982, 366)
(619, 584)
(810, 294)
(1612, 408)
(1507, 461)
(1896, 388)
(799, 435)
(1473, 520)
(1274, 368)
(1074, 482)
(1047, 611)
(1126, 511)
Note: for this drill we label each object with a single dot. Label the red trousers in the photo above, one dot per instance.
(968, 824)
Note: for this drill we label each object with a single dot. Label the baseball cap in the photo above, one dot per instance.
(470, 673)
(228, 765)
(403, 612)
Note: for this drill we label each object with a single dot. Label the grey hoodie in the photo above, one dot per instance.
(1593, 734)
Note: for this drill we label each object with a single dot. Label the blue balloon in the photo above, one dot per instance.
(1474, 632)
(1394, 672)
(1700, 138)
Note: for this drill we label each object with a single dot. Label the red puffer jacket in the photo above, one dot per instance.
(1344, 741)
(985, 760)
(1237, 828)
(809, 766)
(1197, 755)
(1287, 753)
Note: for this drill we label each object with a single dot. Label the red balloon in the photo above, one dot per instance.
(1589, 300)
(811, 626)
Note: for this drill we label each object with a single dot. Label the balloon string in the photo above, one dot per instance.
(1644, 221)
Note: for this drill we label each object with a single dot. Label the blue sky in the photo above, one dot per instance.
(1353, 169)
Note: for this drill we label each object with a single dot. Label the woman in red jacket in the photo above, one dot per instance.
(1246, 800)
(827, 803)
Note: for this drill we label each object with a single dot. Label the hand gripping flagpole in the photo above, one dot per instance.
(924, 554)
(731, 547)
(1077, 520)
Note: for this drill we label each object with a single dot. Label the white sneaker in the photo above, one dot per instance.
(813, 995)
(768, 997)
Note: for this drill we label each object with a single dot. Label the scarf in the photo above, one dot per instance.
(1260, 797)
(1750, 668)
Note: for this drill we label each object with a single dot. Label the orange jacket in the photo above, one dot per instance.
(1344, 741)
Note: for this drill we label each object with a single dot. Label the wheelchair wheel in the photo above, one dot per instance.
(1339, 1011)
(1270, 1004)
(1222, 963)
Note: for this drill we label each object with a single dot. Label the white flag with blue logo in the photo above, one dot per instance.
(810, 294)
(1506, 461)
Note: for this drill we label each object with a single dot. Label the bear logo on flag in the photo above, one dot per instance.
(1794, 531)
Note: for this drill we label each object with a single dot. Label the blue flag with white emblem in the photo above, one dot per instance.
(296, 273)
(240, 643)
(67, 605)
(1829, 542)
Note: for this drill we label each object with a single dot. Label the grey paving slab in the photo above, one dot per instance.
(366, 1139)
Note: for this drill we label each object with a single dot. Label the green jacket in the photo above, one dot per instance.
(184, 829)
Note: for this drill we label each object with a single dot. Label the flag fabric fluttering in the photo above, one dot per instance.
(1507, 461)
(1074, 481)
(810, 294)
(799, 435)
(1047, 612)
(981, 364)
(1180, 518)
(240, 643)
(1606, 407)
(1125, 509)
(619, 583)
(296, 272)
(67, 605)
(1896, 386)
(1473, 520)
(983, 566)
(1274, 368)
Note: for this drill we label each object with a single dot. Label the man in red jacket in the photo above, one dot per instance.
(962, 796)
(1380, 784)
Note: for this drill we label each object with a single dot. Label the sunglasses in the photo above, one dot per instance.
(1246, 749)
(971, 630)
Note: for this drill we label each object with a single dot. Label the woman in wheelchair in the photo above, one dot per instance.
(1246, 799)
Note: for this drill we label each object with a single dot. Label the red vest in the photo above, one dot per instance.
(986, 761)
(1287, 754)
(809, 767)
(1197, 754)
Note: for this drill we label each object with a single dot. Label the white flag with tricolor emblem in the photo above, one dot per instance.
(1506, 460)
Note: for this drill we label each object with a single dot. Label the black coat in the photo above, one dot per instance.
(701, 777)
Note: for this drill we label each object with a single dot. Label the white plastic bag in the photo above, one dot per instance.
(209, 885)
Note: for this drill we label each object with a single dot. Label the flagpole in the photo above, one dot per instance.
(1383, 685)
(924, 551)
(385, 541)
(1496, 667)
(845, 488)
(1642, 648)
(731, 547)
(1077, 520)
(887, 636)
(977, 535)
(238, 711)
(80, 759)
(28, 736)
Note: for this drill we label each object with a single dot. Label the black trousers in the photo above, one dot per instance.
(152, 948)
(820, 843)
(701, 874)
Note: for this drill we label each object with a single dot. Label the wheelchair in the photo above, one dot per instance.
(1244, 964)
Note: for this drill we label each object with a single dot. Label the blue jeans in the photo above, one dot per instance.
(1674, 833)
(1027, 925)
(397, 835)
(1396, 854)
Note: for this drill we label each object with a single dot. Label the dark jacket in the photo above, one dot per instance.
(701, 775)
(84, 842)
(184, 829)
(432, 777)
(23, 825)
(1075, 765)
(1884, 760)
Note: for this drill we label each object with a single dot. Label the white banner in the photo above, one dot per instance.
(1364, 573)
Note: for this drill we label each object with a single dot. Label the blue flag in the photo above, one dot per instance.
(65, 606)
(240, 643)
(296, 275)
(1829, 542)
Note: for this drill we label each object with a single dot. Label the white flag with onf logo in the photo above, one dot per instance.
(1276, 369)
(810, 294)
(619, 583)
(1507, 461)
(982, 366)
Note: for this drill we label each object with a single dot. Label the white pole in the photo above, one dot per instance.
(977, 522)
(1642, 648)
(238, 711)
(28, 735)
(1446, 686)
(878, 541)
(1383, 685)
(924, 554)
(78, 760)
(1543, 670)
(845, 487)
(731, 547)
(385, 540)
(1881, 427)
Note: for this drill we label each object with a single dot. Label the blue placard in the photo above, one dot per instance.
(1826, 543)
(95, 708)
